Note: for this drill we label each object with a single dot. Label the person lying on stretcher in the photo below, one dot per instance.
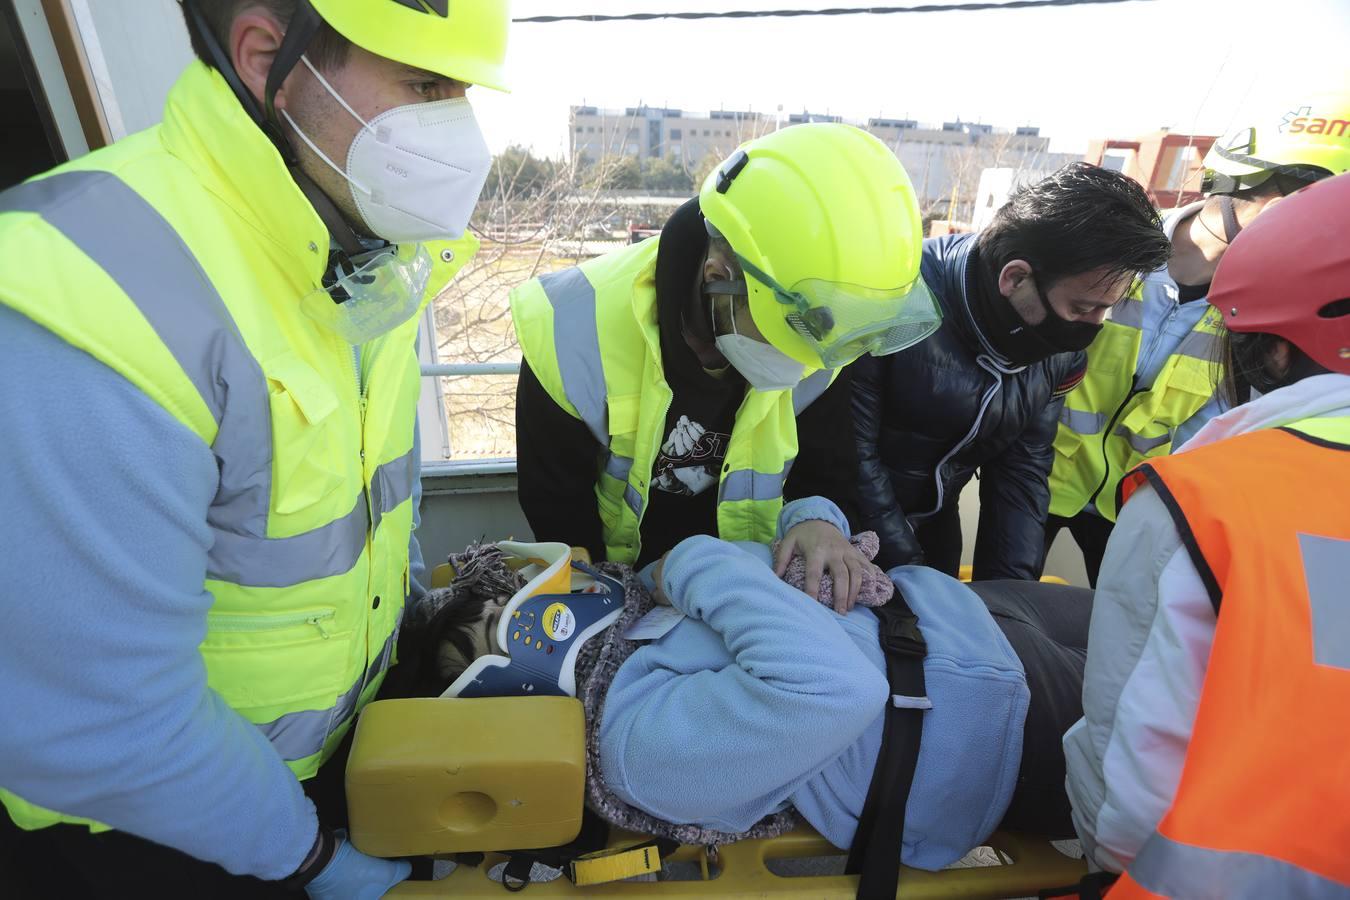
(761, 704)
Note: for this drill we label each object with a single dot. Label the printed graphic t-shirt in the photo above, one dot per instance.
(682, 500)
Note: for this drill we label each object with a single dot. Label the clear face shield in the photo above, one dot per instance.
(372, 293)
(841, 321)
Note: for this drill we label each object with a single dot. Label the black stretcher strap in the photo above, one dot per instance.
(875, 854)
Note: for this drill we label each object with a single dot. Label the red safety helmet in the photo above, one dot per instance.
(1288, 274)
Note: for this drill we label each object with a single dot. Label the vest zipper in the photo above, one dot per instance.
(360, 398)
(637, 532)
(229, 622)
(365, 491)
(1135, 391)
(1106, 436)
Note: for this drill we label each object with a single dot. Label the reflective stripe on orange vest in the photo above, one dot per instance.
(1261, 809)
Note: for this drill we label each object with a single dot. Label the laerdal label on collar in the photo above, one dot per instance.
(559, 623)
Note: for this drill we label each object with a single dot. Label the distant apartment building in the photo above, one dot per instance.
(653, 132)
(944, 162)
(995, 188)
(1167, 165)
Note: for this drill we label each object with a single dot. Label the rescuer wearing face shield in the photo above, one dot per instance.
(684, 385)
(207, 336)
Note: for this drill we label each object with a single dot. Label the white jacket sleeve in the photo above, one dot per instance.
(1152, 629)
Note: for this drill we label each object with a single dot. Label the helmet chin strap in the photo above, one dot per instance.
(1231, 226)
(305, 24)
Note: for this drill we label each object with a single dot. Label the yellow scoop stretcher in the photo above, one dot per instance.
(440, 776)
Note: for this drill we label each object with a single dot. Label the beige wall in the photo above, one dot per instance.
(1065, 559)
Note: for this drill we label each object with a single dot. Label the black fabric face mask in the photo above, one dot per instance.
(1059, 332)
(1025, 344)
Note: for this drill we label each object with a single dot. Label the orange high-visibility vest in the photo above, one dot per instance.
(1263, 805)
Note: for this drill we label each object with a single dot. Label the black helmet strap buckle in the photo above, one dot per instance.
(730, 169)
(304, 25)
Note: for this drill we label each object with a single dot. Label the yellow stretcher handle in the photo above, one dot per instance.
(967, 572)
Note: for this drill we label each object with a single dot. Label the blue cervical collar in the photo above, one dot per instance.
(543, 633)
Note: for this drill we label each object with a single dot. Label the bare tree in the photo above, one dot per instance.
(528, 224)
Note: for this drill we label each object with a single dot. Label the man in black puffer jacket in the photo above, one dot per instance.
(1020, 302)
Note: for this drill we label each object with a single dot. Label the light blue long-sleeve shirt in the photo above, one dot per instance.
(106, 711)
(1167, 322)
(764, 697)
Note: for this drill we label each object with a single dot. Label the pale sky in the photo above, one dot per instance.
(1078, 72)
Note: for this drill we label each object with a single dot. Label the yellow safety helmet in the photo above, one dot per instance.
(460, 39)
(824, 222)
(1307, 138)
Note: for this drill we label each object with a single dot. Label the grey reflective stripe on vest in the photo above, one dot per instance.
(633, 499)
(300, 734)
(1325, 564)
(808, 391)
(142, 253)
(1173, 869)
(392, 484)
(747, 484)
(576, 343)
(1128, 312)
(284, 562)
(126, 237)
(1201, 345)
(617, 466)
(1139, 443)
(1081, 421)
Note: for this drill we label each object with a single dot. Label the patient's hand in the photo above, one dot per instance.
(824, 547)
(659, 592)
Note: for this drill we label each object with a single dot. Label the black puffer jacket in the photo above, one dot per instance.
(926, 418)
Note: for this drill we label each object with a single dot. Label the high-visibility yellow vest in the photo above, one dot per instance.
(591, 337)
(178, 257)
(1106, 428)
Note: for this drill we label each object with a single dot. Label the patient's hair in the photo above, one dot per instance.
(437, 651)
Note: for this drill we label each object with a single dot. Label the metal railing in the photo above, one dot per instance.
(475, 466)
(455, 369)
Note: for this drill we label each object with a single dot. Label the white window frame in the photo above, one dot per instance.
(432, 421)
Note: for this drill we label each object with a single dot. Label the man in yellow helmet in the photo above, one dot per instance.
(683, 385)
(207, 337)
(1150, 382)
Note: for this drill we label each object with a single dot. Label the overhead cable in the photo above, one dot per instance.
(796, 13)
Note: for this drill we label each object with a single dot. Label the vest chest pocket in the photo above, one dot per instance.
(310, 451)
(1183, 389)
(1068, 442)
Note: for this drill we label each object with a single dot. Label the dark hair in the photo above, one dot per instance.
(1081, 218)
(327, 51)
(422, 669)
